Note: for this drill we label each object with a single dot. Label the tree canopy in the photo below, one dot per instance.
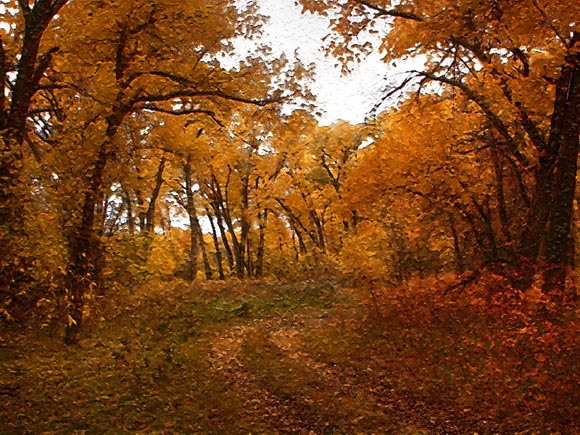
(121, 120)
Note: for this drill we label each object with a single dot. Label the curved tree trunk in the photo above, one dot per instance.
(85, 259)
(564, 139)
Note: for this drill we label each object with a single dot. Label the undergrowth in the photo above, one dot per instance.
(302, 358)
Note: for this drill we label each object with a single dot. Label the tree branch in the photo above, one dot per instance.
(390, 12)
(180, 112)
(388, 94)
(486, 109)
(542, 12)
(43, 63)
(213, 93)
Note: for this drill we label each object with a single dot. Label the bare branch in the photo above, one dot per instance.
(208, 93)
(180, 112)
(390, 12)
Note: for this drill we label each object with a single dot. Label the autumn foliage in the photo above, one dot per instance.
(180, 151)
(105, 152)
(507, 360)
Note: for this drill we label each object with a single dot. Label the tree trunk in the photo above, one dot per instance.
(30, 68)
(192, 215)
(84, 267)
(218, 252)
(150, 215)
(501, 202)
(564, 137)
(548, 228)
(84, 262)
(12, 213)
(263, 222)
(217, 204)
(459, 262)
(220, 223)
(129, 206)
(244, 261)
(204, 256)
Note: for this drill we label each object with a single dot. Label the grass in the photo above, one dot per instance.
(146, 369)
(241, 358)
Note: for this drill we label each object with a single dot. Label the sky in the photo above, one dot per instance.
(348, 97)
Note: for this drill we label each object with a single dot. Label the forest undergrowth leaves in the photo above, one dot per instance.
(308, 358)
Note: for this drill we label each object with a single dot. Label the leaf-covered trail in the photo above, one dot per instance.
(225, 357)
(286, 410)
(270, 359)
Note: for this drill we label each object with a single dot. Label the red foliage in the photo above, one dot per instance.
(496, 347)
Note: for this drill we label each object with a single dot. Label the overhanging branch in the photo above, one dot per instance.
(486, 109)
(192, 93)
(180, 112)
(390, 12)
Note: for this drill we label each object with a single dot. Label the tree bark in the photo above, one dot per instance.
(83, 266)
(204, 256)
(85, 262)
(564, 138)
(13, 118)
(192, 216)
(150, 215)
(500, 197)
(218, 252)
(244, 261)
(459, 262)
(263, 222)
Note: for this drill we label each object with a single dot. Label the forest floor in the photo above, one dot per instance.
(306, 358)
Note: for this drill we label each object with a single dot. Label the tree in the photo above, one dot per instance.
(519, 63)
(73, 105)
(21, 53)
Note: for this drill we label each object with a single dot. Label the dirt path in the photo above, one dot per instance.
(297, 413)
(279, 413)
(268, 360)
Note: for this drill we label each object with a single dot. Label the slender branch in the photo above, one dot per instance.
(33, 148)
(213, 93)
(527, 123)
(388, 94)
(531, 128)
(390, 12)
(519, 54)
(474, 150)
(38, 110)
(180, 112)
(542, 12)
(473, 47)
(485, 107)
(52, 86)
(43, 63)
(173, 77)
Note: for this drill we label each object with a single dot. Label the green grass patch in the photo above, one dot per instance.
(145, 367)
(309, 359)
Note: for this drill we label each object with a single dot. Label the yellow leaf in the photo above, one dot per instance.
(71, 321)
